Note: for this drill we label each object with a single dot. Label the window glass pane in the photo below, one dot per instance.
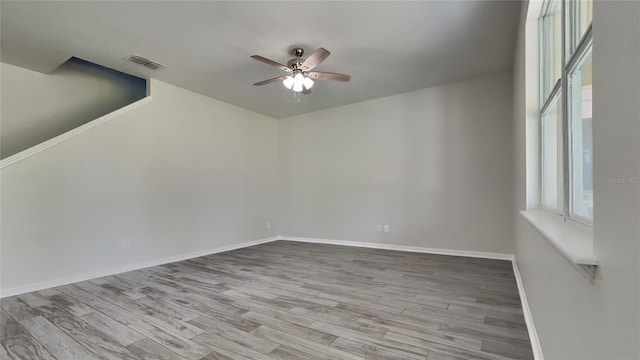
(586, 15)
(570, 32)
(580, 115)
(578, 16)
(556, 57)
(552, 155)
(551, 48)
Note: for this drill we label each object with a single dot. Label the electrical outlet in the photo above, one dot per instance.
(379, 228)
(386, 228)
(126, 244)
(269, 225)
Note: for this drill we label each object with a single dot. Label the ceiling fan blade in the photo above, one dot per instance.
(269, 81)
(328, 76)
(305, 91)
(315, 59)
(272, 63)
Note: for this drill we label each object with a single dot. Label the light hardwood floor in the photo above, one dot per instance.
(281, 300)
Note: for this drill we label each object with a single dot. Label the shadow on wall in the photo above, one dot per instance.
(37, 107)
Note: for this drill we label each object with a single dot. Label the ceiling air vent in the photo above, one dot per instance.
(153, 65)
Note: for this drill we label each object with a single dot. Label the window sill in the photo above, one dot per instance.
(573, 240)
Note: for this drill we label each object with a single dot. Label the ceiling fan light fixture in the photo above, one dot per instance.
(288, 82)
(299, 77)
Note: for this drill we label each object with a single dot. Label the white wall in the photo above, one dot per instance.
(37, 107)
(181, 174)
(574, 318)
(435, 164)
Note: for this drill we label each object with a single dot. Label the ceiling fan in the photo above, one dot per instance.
(300, 77)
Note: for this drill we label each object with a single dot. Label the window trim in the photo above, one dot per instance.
(573, 52)
(566, 148)
(556, 88)
(546, 30)
(584, 47)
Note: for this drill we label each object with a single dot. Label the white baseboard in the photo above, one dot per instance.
(528, 318)
(121, 269)
(418, 249)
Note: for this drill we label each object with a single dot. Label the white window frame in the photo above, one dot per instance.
(574, 48)
(547, 50)
(555, 92)
(582, 51)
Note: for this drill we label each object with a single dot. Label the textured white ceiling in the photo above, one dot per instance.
(387, 47)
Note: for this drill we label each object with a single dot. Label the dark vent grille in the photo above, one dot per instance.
(141, 60)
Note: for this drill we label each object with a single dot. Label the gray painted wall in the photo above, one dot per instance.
(37, 107)
(181, 174)
(434, 164)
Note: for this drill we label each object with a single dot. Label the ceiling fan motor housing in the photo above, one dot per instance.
(295, 63)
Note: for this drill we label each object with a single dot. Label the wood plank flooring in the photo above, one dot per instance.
(281, 300)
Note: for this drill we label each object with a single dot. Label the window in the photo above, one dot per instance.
(581, 139)
(578, 15)
(551, 47)
(566, 89)
(552, 155)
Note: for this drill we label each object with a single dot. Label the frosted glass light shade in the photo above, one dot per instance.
(298, 81)
(288, 82)
(308, 83)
